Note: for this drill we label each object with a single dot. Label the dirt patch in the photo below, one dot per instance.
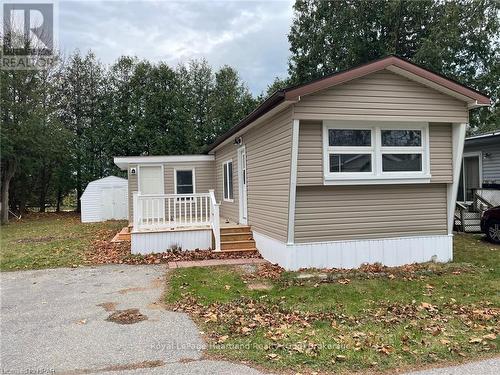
(130, 366)
(258, 286)
(131, 290)
(36, 239)
(108, 306)
(129, 316)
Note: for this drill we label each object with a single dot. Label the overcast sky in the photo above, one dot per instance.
(248, 35)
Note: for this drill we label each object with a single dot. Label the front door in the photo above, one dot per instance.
(151, 182)
(471, 175)
(242, 184)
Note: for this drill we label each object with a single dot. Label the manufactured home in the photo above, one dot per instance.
(360, 166)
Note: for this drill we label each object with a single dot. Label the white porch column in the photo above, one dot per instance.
(458, 138)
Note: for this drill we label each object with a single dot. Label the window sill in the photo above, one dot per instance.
(228, 200)
(379, 180)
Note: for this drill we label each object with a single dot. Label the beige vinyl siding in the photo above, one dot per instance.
(441, 152)
(204, 175)
(132, 186)
(381, 96)
(228, 210)
(310, 155)
(329, 213)
(204, 179)
(268, 149)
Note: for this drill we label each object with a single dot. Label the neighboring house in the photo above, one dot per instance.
(360, 166)
(479, 183)
(481, 165)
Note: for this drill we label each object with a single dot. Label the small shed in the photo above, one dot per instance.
(105, 199)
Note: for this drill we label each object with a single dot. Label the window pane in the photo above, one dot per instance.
(184, 182)
(349, 137)
(350, 163)
(230, 179)
(401, 138)
(401, 162)
(224, 179)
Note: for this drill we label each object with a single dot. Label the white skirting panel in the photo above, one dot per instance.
(353, 253)
(157, 242)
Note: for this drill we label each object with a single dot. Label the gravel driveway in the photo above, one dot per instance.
(55, 320)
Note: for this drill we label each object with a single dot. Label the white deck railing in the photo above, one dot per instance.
(171, 211)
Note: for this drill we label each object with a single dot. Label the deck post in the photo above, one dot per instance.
(136, 209)
(215, 219)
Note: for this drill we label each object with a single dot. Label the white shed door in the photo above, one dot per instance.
(114, 203)
(151, 180)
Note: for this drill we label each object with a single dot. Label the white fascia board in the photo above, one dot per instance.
(123, 161)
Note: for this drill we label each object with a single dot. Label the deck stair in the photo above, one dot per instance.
(122, 236)
(237, 238)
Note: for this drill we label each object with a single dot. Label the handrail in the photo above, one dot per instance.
(215, 219)
(157, 211)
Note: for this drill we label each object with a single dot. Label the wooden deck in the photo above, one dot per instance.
(234, 237)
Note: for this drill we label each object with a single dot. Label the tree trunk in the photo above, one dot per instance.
(59, 199)
(8, 173)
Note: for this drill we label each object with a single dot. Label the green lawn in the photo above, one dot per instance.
(50, 240)
(376, 319)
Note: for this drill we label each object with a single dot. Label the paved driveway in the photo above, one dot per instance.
(56, 320)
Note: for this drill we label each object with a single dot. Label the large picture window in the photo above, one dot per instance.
(227, 179)
(375, 151)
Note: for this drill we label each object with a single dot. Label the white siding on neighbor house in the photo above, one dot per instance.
(490, 161)
(268, 150)
(381, 96)
(92, 199)
(310, 155)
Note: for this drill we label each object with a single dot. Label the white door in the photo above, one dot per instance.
(242, 184)
(107, 203)
(151, 182)
(120, 204)
(114, 203)
(151, 179)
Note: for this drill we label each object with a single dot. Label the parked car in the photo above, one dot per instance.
(490, 224)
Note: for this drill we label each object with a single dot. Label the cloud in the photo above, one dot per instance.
(248, 35)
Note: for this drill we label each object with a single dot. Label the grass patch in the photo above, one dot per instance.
(349, 321)
(50, 240)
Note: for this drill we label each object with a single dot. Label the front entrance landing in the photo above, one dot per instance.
(233, 238)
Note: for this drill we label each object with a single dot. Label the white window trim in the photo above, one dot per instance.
(230, 200)
(184, 170)
(376, 176)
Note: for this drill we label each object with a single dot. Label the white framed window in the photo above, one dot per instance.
(227, 181)
(184, 181)
(374, 152)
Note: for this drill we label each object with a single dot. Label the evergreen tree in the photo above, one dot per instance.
(457, 38)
